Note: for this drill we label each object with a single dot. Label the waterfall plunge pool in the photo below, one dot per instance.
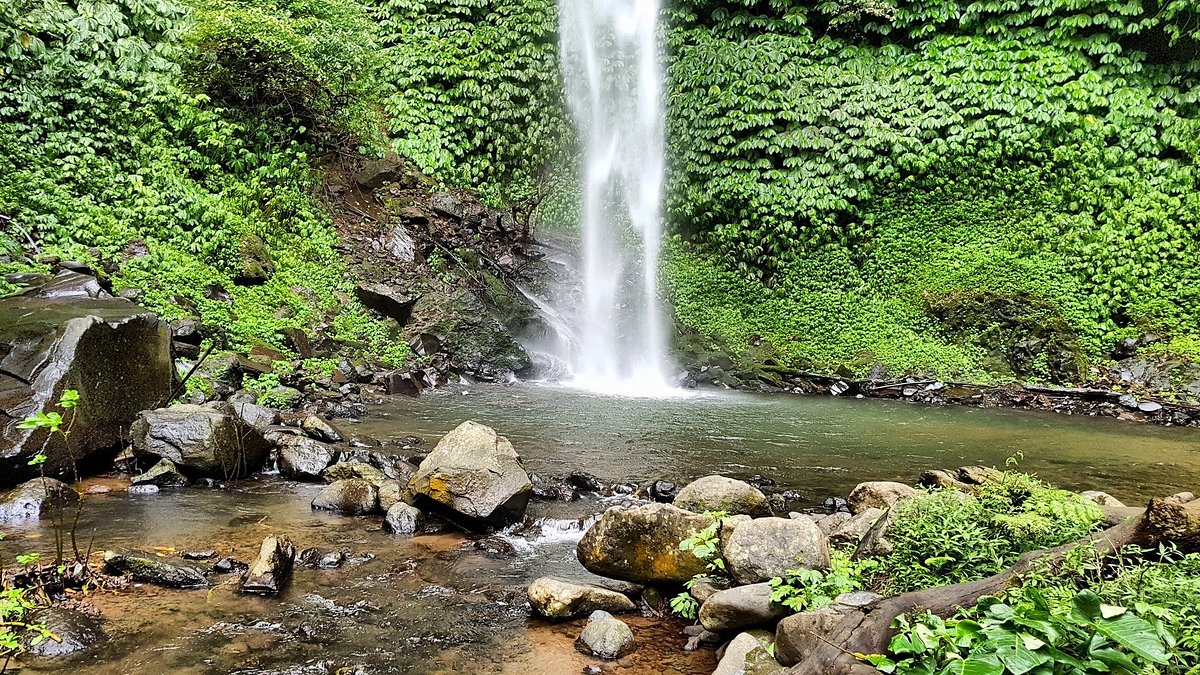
(448, 604)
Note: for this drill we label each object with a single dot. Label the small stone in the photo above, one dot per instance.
(272, 568)
(403, 519)
(163, 474)
(321, 430)
(143, 489)
(1101, 498)
(606, 637)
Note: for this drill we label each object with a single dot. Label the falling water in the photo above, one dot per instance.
(611, 64)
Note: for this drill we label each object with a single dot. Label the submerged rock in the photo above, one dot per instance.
(765, 548)
(605, 636)
(211, 440)
(151, 569)
(403, 519)
(353, 497)
(114, 353)
(641, 544)
(475, 473)
(561, 599)
(75, 632)
(273, 567)
(37, 498)
(163, 474)
(878, 495)
(741, 607)
(718, 493)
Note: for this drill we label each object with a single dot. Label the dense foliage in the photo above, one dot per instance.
(913, 160)
(171, 145)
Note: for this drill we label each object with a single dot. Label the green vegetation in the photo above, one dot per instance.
(804, 589)
(946, 537)
(705, 545)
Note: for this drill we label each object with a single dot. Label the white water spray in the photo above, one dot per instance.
(612, 67)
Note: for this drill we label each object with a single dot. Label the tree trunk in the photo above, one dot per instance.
(1163, 521)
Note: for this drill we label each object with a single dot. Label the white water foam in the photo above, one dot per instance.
(611, 60)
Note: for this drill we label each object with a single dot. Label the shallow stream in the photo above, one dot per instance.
(448, 604)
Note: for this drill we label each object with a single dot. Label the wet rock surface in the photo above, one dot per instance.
(151, 569)
(163, 474)
(37, 498)
(404, 520)
(117, 355)
(303, 458)
(351, 497)
(273, 567)
(75, 632)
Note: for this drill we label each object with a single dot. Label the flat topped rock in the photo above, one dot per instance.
(562, 599)
(151, 569)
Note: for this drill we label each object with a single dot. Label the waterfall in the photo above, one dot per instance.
(612, 69)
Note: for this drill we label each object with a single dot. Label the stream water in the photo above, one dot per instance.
(450, 604)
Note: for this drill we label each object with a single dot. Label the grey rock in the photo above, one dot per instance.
(749, 654)
(641, 544)
(740, 608)
(210, 440)
(255, 416)
(392, 492)
(151, 569)
(606, 637)
(878, 495)
(853, 529)
(387, 301)
(703, 588)
(37, 498)
(561, 599)
(830, 523)
(798, 635)
(321, 430)
(272, 568)
(768, 547)
(163, 474)
(474, 473)
(117, 355)
(718, 493)
(351, 497)
(403, 519)
(143, 489)
(303, 458)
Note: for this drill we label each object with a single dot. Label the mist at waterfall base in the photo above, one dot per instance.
(610, 331)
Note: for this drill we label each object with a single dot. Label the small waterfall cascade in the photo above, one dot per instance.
(611, 62)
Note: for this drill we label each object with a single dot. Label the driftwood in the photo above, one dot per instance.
(870, 631)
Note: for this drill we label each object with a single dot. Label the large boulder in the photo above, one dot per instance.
(37, 498)
(115, 354)
(740, 608)
(641, 544)
(765, 548)
(605, 636)
(206, 440)
(562, 599)
(878, 495)
(151, 569)
(474, 477)
(718, 493)
(352, 497)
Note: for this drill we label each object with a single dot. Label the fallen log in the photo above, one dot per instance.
(869, 632)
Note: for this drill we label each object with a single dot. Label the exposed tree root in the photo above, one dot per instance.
(868, 632)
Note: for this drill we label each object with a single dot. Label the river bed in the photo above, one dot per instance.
(451, 604)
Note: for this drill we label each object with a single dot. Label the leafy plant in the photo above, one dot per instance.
(705, 545)
(1028, 635)
(804, 589)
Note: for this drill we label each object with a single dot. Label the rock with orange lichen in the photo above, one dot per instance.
(641, 544)
(473, 477)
